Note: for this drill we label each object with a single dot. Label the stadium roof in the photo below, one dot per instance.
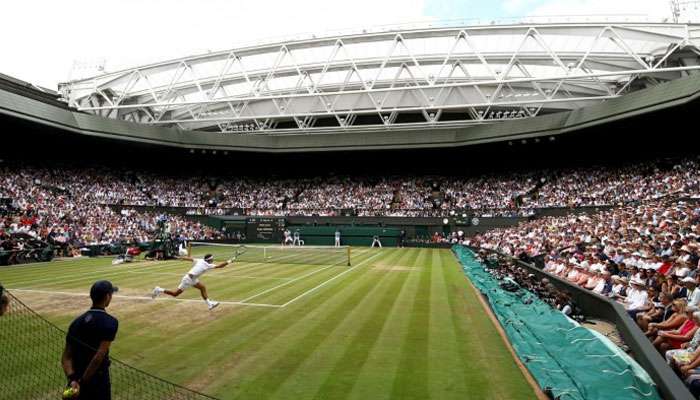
(448, 76)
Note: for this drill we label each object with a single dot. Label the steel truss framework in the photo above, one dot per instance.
(408, 79)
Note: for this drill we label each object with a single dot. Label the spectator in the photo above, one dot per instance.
(658, 312)
(692, 293)
(673, 339)
(636, 299)
(86, 355)
(687, 353)
(676, 319)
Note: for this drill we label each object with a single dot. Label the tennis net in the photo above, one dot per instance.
(322, 255)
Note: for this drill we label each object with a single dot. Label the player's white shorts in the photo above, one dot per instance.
(187, 282)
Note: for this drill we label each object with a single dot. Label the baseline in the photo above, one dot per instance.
(240, 303)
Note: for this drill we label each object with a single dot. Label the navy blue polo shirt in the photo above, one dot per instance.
(85, 335)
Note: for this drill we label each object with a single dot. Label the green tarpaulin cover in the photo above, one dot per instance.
(575, 362)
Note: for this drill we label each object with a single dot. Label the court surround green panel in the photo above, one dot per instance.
(349, 236)
(573, 361)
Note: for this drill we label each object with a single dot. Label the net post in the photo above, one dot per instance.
(189, 249)
(348, 256)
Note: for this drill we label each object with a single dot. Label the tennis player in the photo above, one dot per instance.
(287, 238)
(337, 238)
(297, 238)
(191, 279)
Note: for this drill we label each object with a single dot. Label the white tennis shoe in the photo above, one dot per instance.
(213, 304)
(156, 292)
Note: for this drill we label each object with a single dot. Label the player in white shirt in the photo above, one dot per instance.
(297, 238)
(337, 238)
(191, 278)
(287, 238)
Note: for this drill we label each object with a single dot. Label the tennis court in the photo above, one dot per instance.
(397, 323)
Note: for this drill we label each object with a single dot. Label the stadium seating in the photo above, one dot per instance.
(643, 255)
(72, 207)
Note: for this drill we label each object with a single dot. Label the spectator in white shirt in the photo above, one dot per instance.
(636, 298)
(693, 292)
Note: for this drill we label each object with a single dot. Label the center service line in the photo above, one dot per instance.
(288, 282)
(296, 279)
(333, 278)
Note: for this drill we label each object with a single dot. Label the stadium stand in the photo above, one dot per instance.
(634, 254)
(503, 194)
(72, 208)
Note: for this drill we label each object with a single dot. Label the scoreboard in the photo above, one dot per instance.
(264, 229)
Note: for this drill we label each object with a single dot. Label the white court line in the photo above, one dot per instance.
(110, 270)
(329, 280)
(235, 276)
(237, 303)
(288, 282)
(301, 277)
(102, 271)
(294, 280)
(157, 265)
(281, 258)
(254, 265)
(56, 260)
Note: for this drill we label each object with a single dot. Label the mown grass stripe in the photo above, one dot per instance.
(290, 290)
(490, 370)
(270, 344)
(445, 367)
(305, 366)
(377, 374)
(238, 329)
(411, 381)
(341, 378)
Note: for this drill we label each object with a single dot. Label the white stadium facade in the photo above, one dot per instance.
(408, 78)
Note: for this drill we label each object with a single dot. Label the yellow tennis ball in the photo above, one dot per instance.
(69, 393)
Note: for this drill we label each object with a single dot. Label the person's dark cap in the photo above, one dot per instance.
(100, 289)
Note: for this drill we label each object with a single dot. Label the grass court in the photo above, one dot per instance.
(397, 324)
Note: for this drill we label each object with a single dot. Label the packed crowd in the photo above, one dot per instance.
(70, 226)
(66, 210)
(615, 186)
(645, 256)
(491, 195)
(495, 192)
